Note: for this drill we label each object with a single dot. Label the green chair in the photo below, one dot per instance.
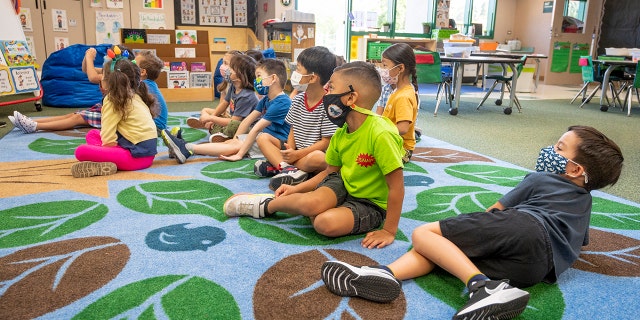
(429, 70)
(592, 73)
(505, 82)
(631, 88)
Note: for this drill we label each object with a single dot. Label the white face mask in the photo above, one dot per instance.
(295, 81)
(386, 78)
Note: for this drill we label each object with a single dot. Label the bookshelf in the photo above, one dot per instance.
(167, 52)
(288, 39)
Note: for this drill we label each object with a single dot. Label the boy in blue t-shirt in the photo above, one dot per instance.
(267, 117)
(150, 68)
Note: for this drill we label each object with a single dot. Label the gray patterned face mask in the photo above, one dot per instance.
(551, 161)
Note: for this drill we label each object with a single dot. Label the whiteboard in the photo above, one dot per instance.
(10, 28)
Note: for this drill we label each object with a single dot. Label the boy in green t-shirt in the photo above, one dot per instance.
(363, 185)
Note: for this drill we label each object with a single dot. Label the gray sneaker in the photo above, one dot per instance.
(247, 204)
(369, 283)
(493, 300)
(288, 175)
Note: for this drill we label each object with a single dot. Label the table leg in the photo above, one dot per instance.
(535, 84)
(514, 82)
(457, 83)
(605, 87)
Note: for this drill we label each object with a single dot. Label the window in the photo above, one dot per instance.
(473, 16)
(573, 17)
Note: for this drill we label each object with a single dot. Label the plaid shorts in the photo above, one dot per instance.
(92, 115)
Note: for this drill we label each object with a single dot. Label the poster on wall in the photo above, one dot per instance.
(152, 21)
(96, 4)
(240, 12)
(188, 11)
(152, 4)
(115, 4)
(442, 14)
(108, 24)
(25, 19)
(61, 42)
(31, 46)
(215, 13)
(59, 20)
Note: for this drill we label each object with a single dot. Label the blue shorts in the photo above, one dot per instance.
(367, 216)
(506, 244)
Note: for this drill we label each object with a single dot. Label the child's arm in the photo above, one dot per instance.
(93, 74)
(403, 127)
(385, 236)
(496, 205)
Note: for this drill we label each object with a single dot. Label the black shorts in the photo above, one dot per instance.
(504, 245)
(367, 216)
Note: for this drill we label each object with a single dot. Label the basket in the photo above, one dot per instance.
(375, 49)
(488, 46)
(441, 34)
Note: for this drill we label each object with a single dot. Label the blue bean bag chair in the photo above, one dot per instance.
(63, 82)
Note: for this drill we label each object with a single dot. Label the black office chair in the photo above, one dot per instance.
(505, 82)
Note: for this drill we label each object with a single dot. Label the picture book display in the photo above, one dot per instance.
(16, 53)
(198, 67)
(185, 52)
(134, 35)
(186, 37)
(200, 79)
(177, 79)
(158, 38)
(177, 66)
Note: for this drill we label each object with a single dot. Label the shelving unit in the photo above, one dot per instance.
(166, 52)
(288, 39)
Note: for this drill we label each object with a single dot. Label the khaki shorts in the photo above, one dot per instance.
(254, 152)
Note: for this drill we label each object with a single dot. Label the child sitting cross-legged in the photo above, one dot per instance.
(267, 117)
(362, 187)
(302, 154)
(532, 234)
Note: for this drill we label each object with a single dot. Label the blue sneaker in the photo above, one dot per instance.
(176, 132)
(177, 146)
(264, 168)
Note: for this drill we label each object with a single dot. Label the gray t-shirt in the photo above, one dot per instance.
(241, 104)
(564, 209)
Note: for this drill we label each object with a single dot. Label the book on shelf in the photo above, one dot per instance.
(134, 35)
(177, 79)
(200, 79)
(16, 53)
(167, 66)
(198, 67)
(185, 52)
(186, 37)
(177, 66)
(158, 38)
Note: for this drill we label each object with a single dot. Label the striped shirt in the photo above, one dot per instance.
(309, 123)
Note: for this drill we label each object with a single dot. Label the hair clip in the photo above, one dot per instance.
(116, 54)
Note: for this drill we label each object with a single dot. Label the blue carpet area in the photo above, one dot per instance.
(155, 243)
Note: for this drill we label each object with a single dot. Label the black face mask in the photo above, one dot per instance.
(336, 110)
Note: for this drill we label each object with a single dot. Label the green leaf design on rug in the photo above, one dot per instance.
(165, 297)
(230, 170)
(443, 202)
(297, 230)
(412, 167)
(176, 121)
(177, 197)
(545, 302)
(61, 147)
(39, 222)
(188, 134)
(501, 176)
(615, 215)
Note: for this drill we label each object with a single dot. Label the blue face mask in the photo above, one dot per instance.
(550, 161)
(261, 89)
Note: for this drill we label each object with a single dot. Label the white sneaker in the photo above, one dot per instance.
(492, 299)
(218, 137)
(27, 125)
(195, 123)
(345, 280)
(247, 204)
(16, 124)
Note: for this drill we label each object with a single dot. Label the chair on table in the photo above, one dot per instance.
(633, 87)
(594, 74)
(505, 81)
(429, 70)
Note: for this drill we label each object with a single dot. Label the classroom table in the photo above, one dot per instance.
(516, 55)
(457, 66)
(611, 65)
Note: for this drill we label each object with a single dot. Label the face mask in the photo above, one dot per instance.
(336, 110)
(295, 81)
(386, 78)
(550, 161)
(225, 71)
(261, 88)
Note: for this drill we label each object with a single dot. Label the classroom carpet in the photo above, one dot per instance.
(155, 244)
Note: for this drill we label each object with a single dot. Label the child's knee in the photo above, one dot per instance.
(426, 230)
(326, 227)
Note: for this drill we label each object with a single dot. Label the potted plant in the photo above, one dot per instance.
(426, 28)
(386, 26)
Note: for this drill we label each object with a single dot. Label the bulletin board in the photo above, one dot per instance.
(216, 13)
(17, 70)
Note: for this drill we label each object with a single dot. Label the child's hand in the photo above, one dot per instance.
(378, 239)
(284, 190)
(90, 54)
(288, 155)
(234, 157)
